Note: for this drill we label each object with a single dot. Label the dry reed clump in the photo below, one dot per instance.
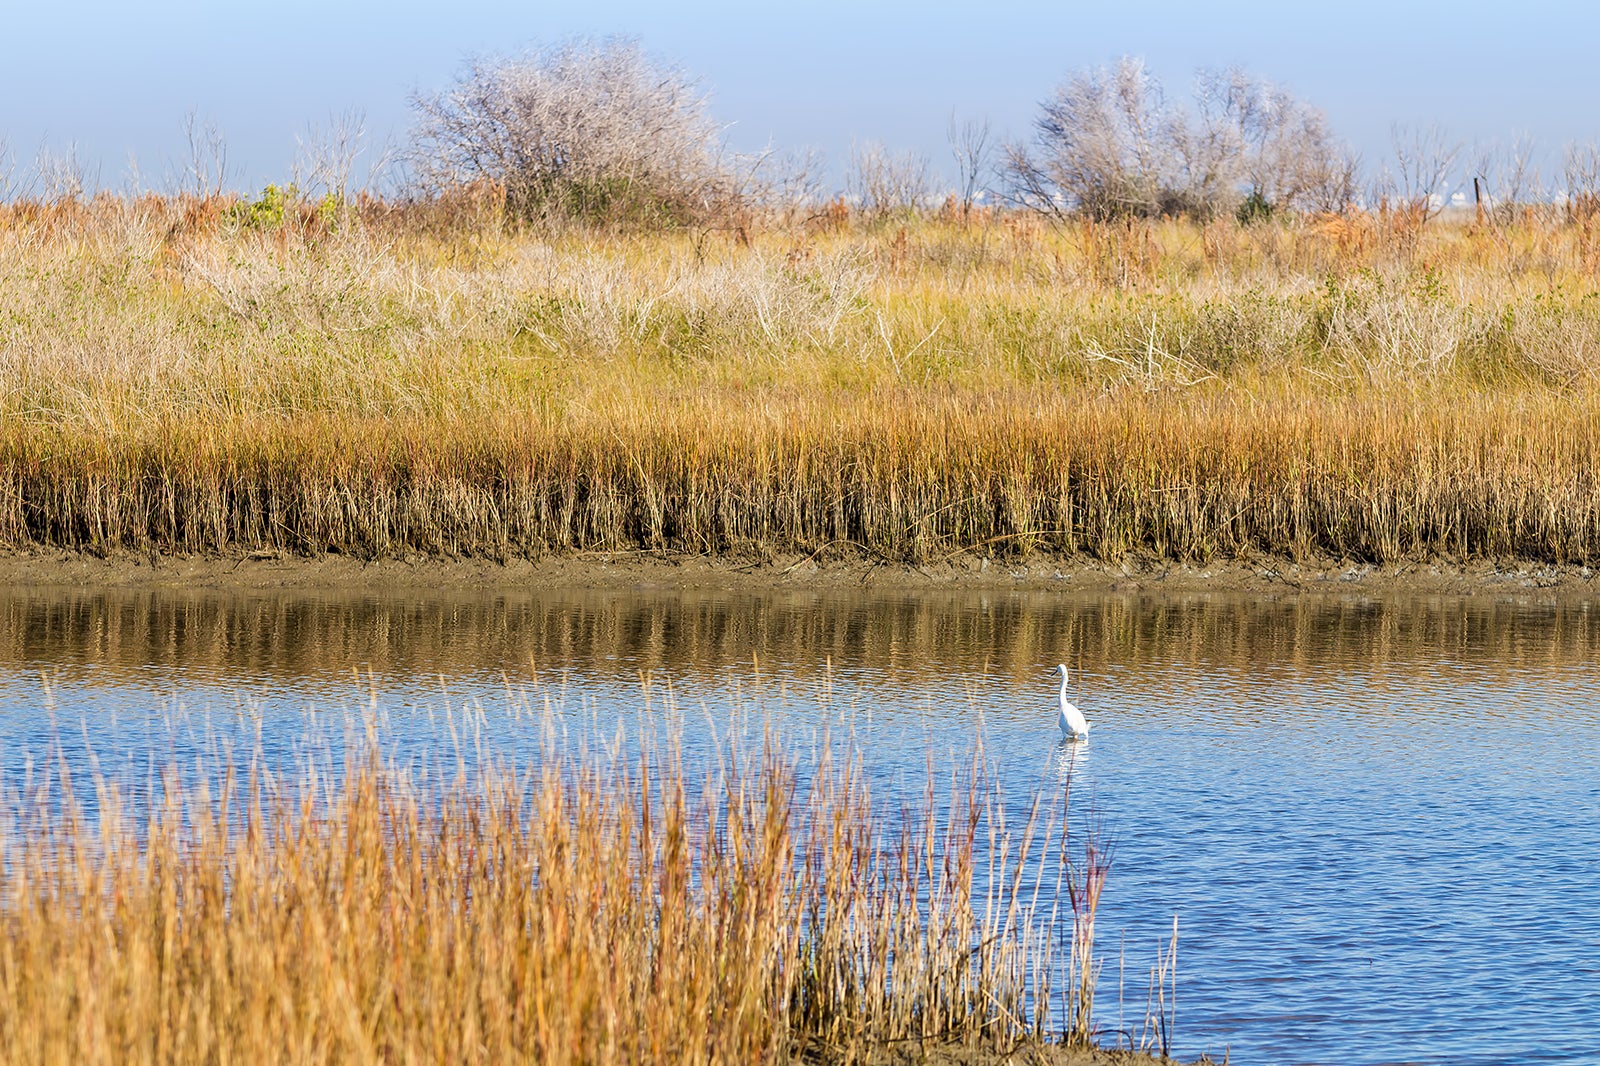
(1382, 479)
(179, 380)
(587, 911)
(593, 303)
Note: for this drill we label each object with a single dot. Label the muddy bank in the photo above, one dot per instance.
(1024, 1055)
(1534, 582)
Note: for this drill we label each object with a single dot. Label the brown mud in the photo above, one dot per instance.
(1525, 581)
(1024, 1055)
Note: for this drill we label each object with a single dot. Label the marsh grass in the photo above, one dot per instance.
(389, 382)
(1510, 476)
(587, 908)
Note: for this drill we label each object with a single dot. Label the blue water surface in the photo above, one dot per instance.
(1376, 822)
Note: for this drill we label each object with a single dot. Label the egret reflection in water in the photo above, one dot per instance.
(1071, 754)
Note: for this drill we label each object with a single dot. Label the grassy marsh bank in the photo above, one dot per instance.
(382, 385)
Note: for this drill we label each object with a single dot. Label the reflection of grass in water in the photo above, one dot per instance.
(307, 639)
(592, 908)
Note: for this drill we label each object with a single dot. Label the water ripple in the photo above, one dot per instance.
(1376, 821)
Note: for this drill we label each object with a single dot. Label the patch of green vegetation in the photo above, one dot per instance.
(1254, 208)
(278, 204)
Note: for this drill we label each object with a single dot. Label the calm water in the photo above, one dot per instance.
(1377, 821)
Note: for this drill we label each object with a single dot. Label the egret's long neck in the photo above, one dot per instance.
(1063, 686)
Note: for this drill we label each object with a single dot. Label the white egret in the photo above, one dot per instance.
(1073, 723)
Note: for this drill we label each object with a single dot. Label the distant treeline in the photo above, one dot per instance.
(598, 132)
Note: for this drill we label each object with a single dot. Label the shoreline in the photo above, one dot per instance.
(1518, 579)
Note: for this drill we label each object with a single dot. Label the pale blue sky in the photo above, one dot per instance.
(116, 78)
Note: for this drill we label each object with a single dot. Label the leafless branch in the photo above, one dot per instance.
(788, 184)
(8, 165)
(1423, 158)
(885, 183)
(207, 166)
(972, 145)
(326, 155)
(60, 175)
(1510, 180)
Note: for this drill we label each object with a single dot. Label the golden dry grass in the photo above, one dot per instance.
(1362, 387)
(590, 910)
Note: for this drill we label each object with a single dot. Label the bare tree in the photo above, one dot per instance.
(1108, 144)
(1582, 171)
(1507, 175)
(326, 155)
(1030, 183)
(206, 170)
(585, 129)
(1208, 149)
(789, 184)
(1285, 155)
(60, 175)
(1423, 158)
(971, 144)
(884, 183)
(1099, 146)
(1331, 180)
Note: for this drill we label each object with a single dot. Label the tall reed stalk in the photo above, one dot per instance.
(1084, 884)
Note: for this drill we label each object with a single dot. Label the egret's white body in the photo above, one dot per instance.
(1073, 723)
